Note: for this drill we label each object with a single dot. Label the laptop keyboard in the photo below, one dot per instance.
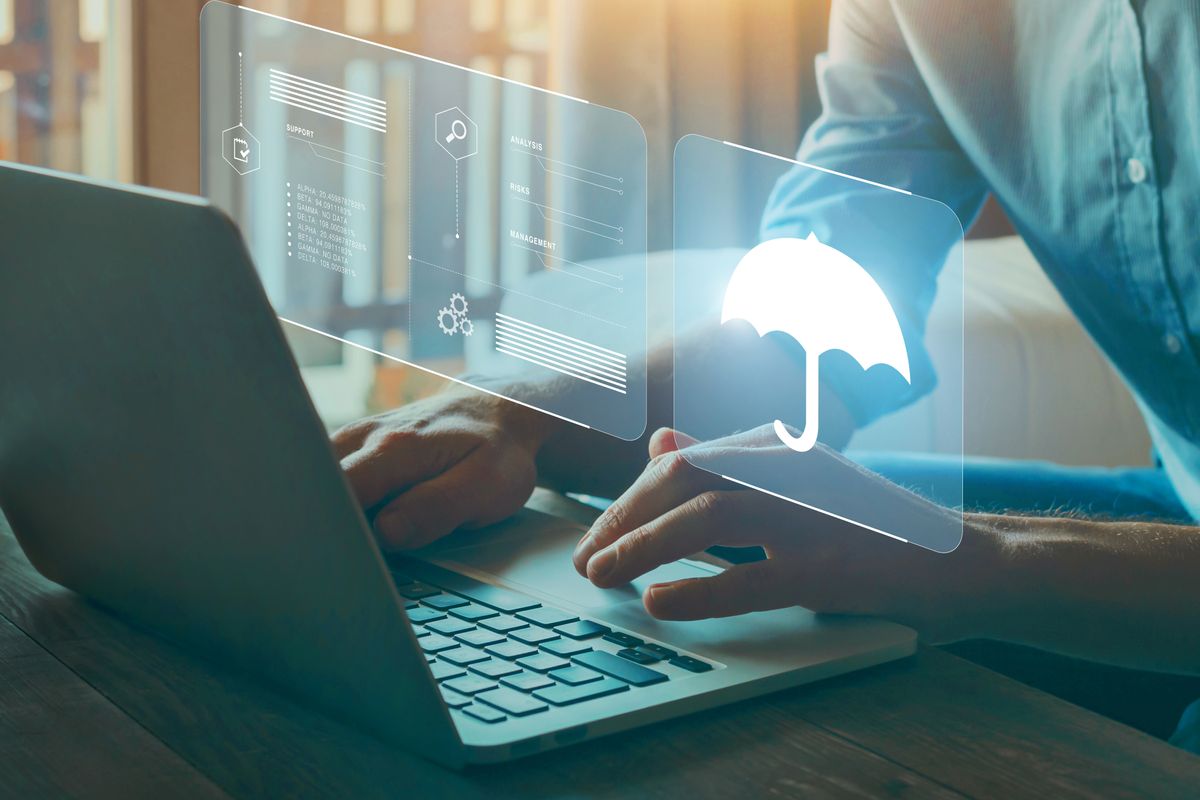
(497, 654)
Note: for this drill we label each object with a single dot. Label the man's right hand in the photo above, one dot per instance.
(459, 459)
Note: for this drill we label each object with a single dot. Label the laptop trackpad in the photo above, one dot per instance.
(532, 552)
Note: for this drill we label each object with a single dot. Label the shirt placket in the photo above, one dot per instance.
(1139, 201)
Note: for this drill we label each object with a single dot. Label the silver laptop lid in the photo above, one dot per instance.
(158, 452)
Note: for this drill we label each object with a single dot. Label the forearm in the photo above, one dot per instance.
(1126, 593)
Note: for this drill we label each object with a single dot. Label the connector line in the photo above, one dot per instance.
(543, 160)
(241, 92)
(313, 146)
(517, 292)
(543, 209)
(423, 368)
(542, 258)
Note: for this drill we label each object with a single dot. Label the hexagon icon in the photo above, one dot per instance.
(456, 133)
(240, 149)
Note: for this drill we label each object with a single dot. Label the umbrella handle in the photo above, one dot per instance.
(812, 390)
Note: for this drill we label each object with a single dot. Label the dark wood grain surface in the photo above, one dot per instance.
(93, 707)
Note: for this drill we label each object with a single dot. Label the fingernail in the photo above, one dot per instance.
(602, 564)
(582, 544)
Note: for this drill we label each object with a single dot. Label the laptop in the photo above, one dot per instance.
(160, 455)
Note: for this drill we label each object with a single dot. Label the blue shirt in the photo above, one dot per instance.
(1083, 119)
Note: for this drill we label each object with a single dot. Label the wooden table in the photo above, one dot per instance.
(93, 707)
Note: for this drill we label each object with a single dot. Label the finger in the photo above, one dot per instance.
(759, 586)
(668, 481)
(391, 462)
(667, 440)
(709, 518)
(351, 437)
(467, 494)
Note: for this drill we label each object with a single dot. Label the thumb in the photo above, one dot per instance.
(668, 440)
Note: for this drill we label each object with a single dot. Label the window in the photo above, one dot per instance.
(64, 85)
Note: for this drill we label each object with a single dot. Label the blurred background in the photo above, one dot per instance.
(110, 88)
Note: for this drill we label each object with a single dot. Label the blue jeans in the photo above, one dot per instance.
(999, 485)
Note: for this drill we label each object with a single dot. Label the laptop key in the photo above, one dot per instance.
(542, 662)
(444, 670)
(638, 656)
(435, 643)
(582, 629)
(454, 699)
(623, 639)
(691, 664)
(574, 676)
(484, 713)
(546, 617)
(526, 681)
(417, 590)
(533, 635)
(478, 638)
(494, 668)
(511, 701)
(565, 647)
(423, 615)
(561, 694)
(463, 655)
(511, 650)
(473, 612)
(444, 602)
(503, 624)
(664, 653)
(619, 668)
(411, 604)
(490, 596)
(470, 684)
(449, 627)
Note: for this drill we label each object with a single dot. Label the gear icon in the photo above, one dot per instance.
(448, 321)
(458, 305)
(466, 327)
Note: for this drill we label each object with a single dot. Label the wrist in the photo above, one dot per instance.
(974, 595)
(504, 404)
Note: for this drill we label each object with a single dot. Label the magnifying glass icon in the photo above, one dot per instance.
(458, 130)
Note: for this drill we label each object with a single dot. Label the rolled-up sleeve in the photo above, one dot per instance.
(879, 122)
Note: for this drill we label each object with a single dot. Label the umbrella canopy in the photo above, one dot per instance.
(824, 300)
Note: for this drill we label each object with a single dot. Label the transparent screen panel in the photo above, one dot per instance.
(826, 347)
(478, 228)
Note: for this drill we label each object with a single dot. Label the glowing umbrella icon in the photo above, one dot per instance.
(824, 300)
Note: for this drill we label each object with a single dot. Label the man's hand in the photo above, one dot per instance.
(675, 509)
(458, 459)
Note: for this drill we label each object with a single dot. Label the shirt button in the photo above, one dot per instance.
(1172, 343)
(1136, 170)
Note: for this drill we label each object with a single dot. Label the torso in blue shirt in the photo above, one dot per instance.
(1083, 118)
